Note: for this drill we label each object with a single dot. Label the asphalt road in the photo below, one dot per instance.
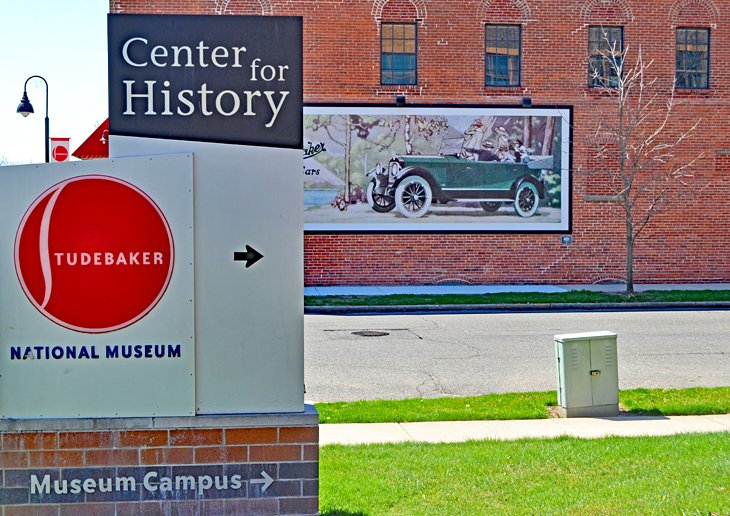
(472, 354)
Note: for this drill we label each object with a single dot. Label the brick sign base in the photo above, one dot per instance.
(248, 464)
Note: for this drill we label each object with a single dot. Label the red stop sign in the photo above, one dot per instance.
(60, 153)
(94, 253)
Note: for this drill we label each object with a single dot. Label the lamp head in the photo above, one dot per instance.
(25, 108)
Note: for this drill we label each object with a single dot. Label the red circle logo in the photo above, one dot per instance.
(94, 254)
(60, 153)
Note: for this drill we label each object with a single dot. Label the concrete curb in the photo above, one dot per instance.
(525, 307)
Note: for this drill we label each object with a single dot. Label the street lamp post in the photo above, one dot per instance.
(25, 108)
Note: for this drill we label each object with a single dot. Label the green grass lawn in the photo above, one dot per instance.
(677, 402)
(529, 405)
(655, 296)
(682, 474)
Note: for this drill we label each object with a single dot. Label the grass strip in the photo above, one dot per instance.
(527, 405)
(681, 474)
(578, 296)
(695, 401)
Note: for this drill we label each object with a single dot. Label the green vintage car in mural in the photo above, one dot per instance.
(413, 183)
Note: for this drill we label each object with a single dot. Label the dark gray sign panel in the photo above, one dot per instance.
(224, 79)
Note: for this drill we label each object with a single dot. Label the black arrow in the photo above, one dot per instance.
(251, 256)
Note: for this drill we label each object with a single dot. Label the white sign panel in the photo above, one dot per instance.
(60, 150)
(96, 297)
(248, 274)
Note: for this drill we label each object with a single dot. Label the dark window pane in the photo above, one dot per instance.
(398, 69)
(605, 49)
(692, 58)
(398, 53)
(502, 55)
(680, 81)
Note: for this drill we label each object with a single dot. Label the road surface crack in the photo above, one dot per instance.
(438, 386)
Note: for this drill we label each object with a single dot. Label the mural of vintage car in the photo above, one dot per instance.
(413, 183)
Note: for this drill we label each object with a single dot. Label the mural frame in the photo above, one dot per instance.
(467, 189)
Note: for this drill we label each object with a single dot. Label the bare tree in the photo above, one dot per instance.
(636, 144)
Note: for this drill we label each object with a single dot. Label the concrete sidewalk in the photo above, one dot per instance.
(460, 431)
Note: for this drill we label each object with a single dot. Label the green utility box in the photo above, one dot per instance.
(587, 370)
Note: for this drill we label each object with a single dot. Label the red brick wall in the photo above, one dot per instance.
(341, 58)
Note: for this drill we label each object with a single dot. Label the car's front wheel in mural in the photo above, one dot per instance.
(378, 199)
(526, 199)
(413, 197)
(490, 206)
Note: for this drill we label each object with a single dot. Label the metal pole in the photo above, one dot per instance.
(47, 141)
(48, 138)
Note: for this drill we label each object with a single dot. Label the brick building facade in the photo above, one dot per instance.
(342, 60)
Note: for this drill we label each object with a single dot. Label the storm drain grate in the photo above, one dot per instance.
(370, 333)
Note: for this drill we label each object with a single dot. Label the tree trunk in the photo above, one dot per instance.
(407, 136)
(527, 130)
(629, 259)
(547, 143)
(348, 143)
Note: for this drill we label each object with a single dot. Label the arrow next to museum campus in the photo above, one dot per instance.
(250, 256)
(265, 482)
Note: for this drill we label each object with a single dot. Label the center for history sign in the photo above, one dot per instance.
(226, 79)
